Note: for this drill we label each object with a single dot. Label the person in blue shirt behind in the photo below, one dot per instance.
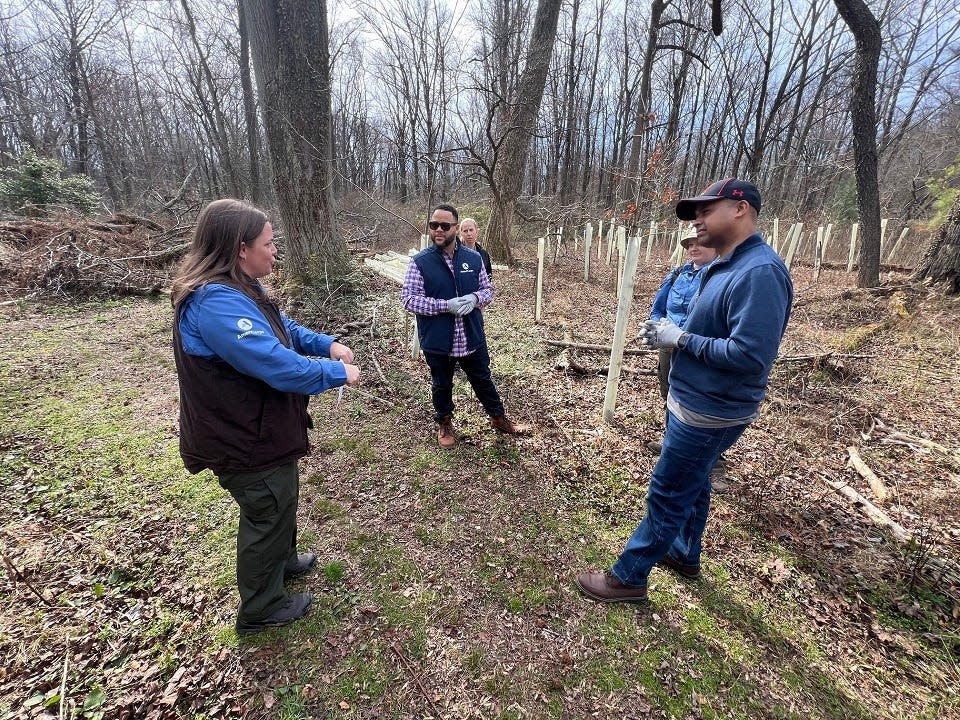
(246, 372)
(721, 364)
(672, 300)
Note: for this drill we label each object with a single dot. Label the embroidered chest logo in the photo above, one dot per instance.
(244, 324)
(465, 266)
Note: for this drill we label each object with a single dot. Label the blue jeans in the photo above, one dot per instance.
(678, 500)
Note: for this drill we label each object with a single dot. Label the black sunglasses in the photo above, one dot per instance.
(433, 225)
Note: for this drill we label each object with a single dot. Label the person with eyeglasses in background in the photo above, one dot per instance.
(446, 287)
(469, 230)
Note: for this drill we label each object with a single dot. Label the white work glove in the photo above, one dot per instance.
(662, 334)
(463, 305)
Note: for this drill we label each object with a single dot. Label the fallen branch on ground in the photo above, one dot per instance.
(876, 484)
(595, 348)
(878, 516)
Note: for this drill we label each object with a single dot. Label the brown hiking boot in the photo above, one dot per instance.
(687, 572)
(445, 435)
(508, 427)
(605, 588)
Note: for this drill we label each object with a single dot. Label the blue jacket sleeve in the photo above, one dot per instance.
(234, 329)
(757, 312)
(306, 341)
(659, 309)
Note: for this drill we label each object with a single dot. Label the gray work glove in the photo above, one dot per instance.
(662, 334)
(463, 305)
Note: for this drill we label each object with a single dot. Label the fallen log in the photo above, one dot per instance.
(595, 348)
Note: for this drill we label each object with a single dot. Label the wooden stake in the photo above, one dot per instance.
(540, 251)
(776, 235)
(883, 234)
(621, 247)
(620, 329)
(853, 245)
(610, 236)
(587, 237)
(896, 245)
(795, 242)
(818, 254)
(652, 234)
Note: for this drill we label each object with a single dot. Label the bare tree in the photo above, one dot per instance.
(249, 107)
(863, 111)
(290, 51)
(517, 125)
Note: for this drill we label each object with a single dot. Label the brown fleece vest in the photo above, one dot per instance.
(232, 422)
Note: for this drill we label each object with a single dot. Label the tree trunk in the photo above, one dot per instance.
(291, 59)
(643, 116)
(249, 108)
(518, 124)
(941, 261)
(863, 112)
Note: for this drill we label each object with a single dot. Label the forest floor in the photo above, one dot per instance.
(445, 587)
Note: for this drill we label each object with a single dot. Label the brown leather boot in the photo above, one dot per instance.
(508, 427)
(445, 435)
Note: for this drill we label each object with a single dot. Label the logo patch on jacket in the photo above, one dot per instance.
(246, 325)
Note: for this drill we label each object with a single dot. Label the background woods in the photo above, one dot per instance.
(640, 102)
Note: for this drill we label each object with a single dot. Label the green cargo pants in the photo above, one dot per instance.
(267, 536)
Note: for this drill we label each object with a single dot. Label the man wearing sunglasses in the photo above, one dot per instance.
(447, 286)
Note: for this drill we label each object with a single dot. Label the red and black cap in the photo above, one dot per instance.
(729, 189)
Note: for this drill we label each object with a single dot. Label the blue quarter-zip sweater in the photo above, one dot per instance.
(736, 322)
(436, 331)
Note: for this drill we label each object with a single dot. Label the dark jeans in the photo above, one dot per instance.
(476, 366)
(267, 536)
(678, 500)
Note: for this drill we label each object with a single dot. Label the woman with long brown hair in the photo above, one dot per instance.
(246, 372)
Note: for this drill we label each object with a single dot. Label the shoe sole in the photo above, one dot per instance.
(611, 601)
(679, 571)
(254, 629)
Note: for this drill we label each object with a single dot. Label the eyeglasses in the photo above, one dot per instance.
(433, 225)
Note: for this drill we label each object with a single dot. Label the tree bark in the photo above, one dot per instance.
(863, 113)
(291, 59)
(941, 261)
(518, 124)
(249, 108)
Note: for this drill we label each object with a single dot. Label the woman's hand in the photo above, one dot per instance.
(339, 351)
(353, 373)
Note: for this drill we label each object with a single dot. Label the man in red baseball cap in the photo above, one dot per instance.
(721, 361)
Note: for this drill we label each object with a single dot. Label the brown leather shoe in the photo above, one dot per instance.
(445, 435)
(687, 572)
(507, 426)
(605, 588)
